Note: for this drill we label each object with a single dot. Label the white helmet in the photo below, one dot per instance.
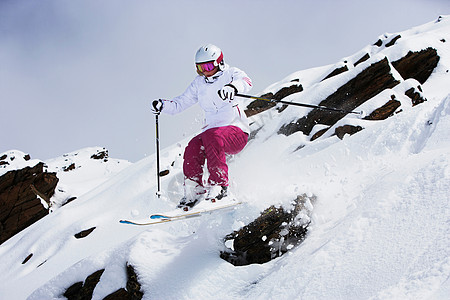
(210, 53)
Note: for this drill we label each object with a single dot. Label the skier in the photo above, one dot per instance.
(225, 130)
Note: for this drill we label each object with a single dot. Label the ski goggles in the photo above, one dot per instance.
(205, 67)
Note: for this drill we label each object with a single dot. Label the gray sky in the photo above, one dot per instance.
(77, 74)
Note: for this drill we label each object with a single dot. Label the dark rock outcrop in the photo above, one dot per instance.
(371, 81)
(120, 294)
(101, 154)
(319, 133)
(378, 43)
(392, 42)
(5, 159)
(271, 235)
(362, 59)
(258, 106)
(27, 258)
(84, 290)
(336, 71)
(384, 111)
(84, 233)
(69, 167)
(341, 131)
(415, 95)
(418, 65)
(21, 192)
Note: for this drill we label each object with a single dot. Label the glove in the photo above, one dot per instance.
(157, 106)
(228, 92)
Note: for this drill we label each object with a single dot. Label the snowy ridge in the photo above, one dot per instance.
(380, 227)
(14, 160)
(78, 171)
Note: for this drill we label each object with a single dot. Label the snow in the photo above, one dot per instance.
(14, 160)
(380, 226)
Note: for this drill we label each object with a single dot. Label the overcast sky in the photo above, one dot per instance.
(76, 74)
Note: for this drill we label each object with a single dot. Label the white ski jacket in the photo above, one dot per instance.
(204, 91)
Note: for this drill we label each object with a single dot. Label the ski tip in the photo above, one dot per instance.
(125, 222)
(153, 217)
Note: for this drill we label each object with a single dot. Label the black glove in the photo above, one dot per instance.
(228, 92)
(157, 106)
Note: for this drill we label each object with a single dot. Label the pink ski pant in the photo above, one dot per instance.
(213, 145)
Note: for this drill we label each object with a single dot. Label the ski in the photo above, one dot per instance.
(197, 211)
(157, 221)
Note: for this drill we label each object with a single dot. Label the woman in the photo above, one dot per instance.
(226, 126)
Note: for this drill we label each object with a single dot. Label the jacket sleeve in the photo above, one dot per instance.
(241, 81)
(182, 102)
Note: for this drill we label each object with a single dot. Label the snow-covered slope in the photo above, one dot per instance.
(380, 227)
(78, 172)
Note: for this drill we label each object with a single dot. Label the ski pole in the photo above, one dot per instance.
(301, 104)
(158, 193)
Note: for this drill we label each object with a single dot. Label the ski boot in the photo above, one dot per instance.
(193, 194)
(216, 193)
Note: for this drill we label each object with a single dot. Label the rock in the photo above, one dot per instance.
(319, 133)
(336, 71)
(73, 291)
(133, 285)
(392, 42)
(362, 59)
(101, 154)
(415, 95)
(257, 106)
(384, 111)
(120, 294)
(21, 192)
(84, 291)
(27, 258)
(84, 233)
(371, 81)
(80, 291)
(11, 156)
(3, 160)
(368, 83)
(69, 167)
(341, 131)
(272, 234)
(418, 65)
